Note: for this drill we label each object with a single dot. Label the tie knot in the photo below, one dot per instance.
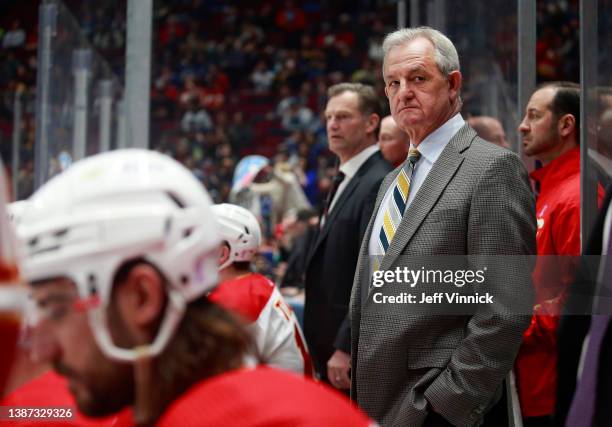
(338, 177)
(413, 155)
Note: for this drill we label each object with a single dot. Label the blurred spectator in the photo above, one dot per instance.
(297, 116)
(196, 118)
(489, 129)
(239, 133)
(271, 193)
(15, 37)
(191, 91)
(292, 20)
(297, 238)
(262, 77)
(393, 142)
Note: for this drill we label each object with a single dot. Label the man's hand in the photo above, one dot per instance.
(338, 367)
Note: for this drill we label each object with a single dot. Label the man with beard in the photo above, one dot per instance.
(550, 133)
(121, 250)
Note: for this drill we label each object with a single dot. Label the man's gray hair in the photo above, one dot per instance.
(446, 56)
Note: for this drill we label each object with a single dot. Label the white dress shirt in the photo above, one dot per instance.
(430, 148)
(350, 168)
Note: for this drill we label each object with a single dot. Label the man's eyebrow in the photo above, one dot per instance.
(410, 69)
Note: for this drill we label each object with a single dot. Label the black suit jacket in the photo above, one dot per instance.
(574, 327)
(331, 263)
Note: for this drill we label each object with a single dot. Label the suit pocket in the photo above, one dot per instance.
(428, 357)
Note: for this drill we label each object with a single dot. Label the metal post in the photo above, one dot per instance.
(440, 8)
(121, 124)
(106, 111)
(431, 14)
(47, 16)
(401, 14)
(526, 62)
(81, 68)
(436, 14)
(415, 13)
(16, 141)
(138, 71)
(589, 60)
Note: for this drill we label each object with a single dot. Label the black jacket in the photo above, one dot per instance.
(331, 263)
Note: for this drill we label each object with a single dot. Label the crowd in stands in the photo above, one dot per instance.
(231, 79)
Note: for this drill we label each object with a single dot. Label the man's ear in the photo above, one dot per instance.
(141, 298)
(566, 125)
(224, 253)
(372, 124)
(455, 79)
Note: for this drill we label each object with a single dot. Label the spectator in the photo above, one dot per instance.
(262, 77)
(239, 133)
(297, 117)
(393, 142)
(489, 129)
(15, 37)
(196, 119)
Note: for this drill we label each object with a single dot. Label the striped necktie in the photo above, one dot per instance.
(398, 201)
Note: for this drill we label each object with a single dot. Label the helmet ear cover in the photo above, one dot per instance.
(240, 230)
(109, 210)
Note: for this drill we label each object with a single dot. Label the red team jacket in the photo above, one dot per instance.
(51, 390)
(558, 233)
(261, 397)
(243, 397)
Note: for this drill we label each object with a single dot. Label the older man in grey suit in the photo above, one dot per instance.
(455, 194)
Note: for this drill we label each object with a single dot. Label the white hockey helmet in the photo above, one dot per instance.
(85, 223)
(15, 210)
(240, 229)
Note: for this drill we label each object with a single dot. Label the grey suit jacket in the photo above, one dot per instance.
(476, 200)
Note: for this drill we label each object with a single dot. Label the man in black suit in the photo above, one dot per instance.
(352, 115)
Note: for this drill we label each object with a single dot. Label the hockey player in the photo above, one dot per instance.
(278, 338)
(120, 255)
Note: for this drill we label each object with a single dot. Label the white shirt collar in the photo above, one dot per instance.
(433, 145)
(350, 168)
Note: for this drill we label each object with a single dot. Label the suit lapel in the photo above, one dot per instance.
(438, 178)
(340, 204)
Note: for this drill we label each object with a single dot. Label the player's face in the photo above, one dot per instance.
(62, 336)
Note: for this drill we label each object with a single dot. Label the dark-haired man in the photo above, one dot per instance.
(550, 134)
(353, 116)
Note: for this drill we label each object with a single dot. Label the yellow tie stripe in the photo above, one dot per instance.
(398, 201)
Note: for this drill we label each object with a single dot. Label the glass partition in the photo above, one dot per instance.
(596, 126)
(77, 96)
